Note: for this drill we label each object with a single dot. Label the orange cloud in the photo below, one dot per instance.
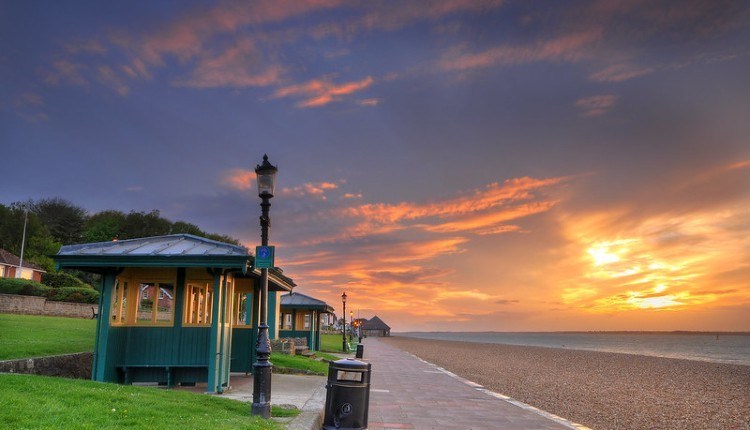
(488, 223)
(492, 196)
(393, 255)
(311, 189)
(320, 92)
(239, 179)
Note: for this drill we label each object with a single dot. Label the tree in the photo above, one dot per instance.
(181, 227)
(142, 224)
(222, 238)
(39, 243)
(103, 226)
(63, 219)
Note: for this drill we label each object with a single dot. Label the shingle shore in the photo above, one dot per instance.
(598, 389)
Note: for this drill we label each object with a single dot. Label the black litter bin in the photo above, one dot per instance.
(360, 351)
(347, 395)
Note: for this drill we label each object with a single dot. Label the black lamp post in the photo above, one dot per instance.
(343, 321)
(262, 368)
(351, 325)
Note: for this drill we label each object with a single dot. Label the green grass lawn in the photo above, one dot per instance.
(329, 357)
(39, 402)
(331, 342)
(24, 336)
(299, 362)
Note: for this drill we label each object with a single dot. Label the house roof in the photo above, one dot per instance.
(175, 250)
(375, 323)
(9, 259)
(301, 301)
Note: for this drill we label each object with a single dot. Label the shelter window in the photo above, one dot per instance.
(198, 303)
(307, 321)
(155, 310)
(243, 310)
(287, 321)
(120, 302)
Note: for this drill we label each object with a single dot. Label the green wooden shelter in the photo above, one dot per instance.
(300, 317)
(176, 309)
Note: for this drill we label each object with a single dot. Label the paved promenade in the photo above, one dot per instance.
(408, 393)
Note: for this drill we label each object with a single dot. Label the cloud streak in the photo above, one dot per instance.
(596, 105)
(392, 253)
(320, 92)
(569, 47)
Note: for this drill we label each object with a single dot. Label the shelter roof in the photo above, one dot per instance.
(175, 250)
(301, 301)
(174, 244)
(375, 323)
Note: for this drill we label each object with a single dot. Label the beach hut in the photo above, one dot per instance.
(300, 317)
(375, 327)
(176, 309)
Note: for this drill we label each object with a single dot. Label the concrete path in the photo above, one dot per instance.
(408, 393)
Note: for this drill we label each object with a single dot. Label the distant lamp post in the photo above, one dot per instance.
(343, 322)
(351, 325)
(262, 368)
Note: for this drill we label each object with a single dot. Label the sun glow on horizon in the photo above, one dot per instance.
(659, 263)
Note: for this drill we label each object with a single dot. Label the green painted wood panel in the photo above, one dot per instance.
(273, 317)
(243, 350)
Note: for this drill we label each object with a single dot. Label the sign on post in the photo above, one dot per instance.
(264, 257)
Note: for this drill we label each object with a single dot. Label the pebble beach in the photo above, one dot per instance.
(601, 390)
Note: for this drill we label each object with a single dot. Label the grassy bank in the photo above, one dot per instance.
(24, 336)
(299, 362)
(38, 402)
(331, 343)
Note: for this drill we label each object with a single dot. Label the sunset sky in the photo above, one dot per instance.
(452, 165)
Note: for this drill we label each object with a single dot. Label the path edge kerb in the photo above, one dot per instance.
(311, 417)
(512, 401)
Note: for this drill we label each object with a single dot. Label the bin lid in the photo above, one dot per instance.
(351, 364)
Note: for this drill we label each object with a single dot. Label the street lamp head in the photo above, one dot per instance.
(343, 297)
(351, 314)
(266, 175)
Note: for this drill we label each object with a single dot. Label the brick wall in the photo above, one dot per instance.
(31, 305)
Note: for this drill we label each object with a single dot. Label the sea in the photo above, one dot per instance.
(731, 348)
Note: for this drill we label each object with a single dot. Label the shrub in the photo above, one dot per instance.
(62, 280)
(25, 287)
(74, 294)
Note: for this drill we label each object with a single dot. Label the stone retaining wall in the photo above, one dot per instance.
(32, 305)
(68, 366)
(289, 345)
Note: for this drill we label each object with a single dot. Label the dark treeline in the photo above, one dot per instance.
(55, 222)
